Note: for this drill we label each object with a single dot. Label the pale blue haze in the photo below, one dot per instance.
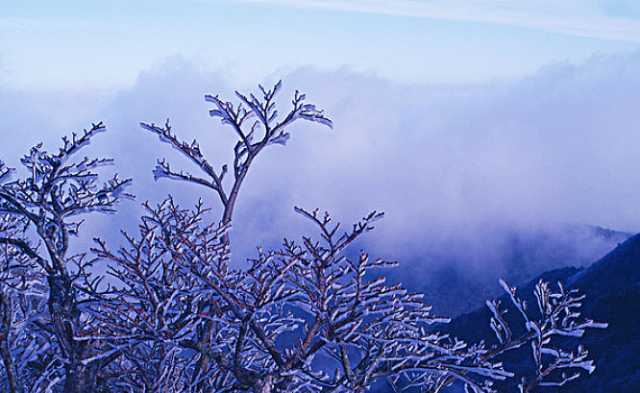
(106, 44)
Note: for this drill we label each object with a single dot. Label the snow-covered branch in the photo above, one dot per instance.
(267, 129)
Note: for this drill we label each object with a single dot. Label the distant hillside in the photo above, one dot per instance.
(457, 276)
(612, 286)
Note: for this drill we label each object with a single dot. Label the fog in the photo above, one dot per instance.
(449, 165)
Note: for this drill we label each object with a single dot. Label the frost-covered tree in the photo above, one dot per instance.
(47, 330)
(179, 316)
(305, 317)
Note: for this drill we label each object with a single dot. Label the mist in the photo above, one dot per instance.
(454, 167)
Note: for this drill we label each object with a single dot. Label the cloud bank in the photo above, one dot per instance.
(450, 165)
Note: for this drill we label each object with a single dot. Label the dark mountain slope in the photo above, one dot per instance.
(612, 286)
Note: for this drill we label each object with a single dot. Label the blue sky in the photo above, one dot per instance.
(451, 116)
(106, 44)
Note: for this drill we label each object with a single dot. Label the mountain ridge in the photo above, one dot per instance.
(612, 289)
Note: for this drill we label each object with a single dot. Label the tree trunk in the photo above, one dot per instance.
(5, 327)
(80, 378)
(264, 385)
(9, 365)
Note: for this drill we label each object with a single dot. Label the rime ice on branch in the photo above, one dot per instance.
(558, 317)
